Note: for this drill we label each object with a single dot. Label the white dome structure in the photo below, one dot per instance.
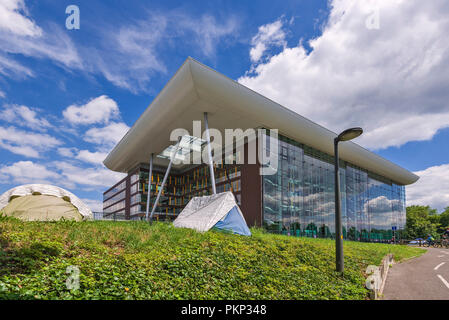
(43, 202)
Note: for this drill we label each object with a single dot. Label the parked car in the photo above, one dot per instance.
(416, 241)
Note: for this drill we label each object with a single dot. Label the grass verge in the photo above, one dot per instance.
(132, 260)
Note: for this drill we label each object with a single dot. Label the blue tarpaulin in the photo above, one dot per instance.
(234, 222)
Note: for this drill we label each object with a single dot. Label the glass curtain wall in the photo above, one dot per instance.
(180, 189)
(299, 198)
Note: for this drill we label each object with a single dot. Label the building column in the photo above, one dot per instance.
(209, 152)
(150, 173)
(165, 178)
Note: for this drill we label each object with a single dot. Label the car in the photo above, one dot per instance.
(416, 241)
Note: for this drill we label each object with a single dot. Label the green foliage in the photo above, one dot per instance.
(422, 221)
(132, 260)
(444, 220)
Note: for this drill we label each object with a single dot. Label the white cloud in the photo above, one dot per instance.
(381, 204)
(91, 176)
(21, 35)
(271, 34)
(98, 110)
(25, 143)
(24, 116)
(130, 55)
(207, 31)
(127, 55)
(412, 128)
(54, 45)
(67, 152)
(391, 81)
(8, 67)
(92, 157)
(431, 189)
(60, 174)
(108, 135)
(94, 205)
(28, 172)
(13, 19)
(382, 207)
(87, 156)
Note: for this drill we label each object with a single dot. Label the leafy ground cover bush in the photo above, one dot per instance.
(133, 260)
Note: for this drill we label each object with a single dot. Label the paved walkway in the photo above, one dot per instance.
(423, 278)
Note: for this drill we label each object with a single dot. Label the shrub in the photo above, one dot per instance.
(132, 260)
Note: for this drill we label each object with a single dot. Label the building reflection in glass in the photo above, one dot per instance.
(299, 199)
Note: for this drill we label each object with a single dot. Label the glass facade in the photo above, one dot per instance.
(177, 192)
(299, 198)
(181, 188)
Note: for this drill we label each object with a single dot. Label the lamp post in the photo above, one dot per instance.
(346, 135)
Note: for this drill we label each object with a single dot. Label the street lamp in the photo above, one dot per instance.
(346, 135)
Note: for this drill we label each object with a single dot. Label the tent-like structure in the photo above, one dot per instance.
(203, 213)
(41, 202)
(218, 210)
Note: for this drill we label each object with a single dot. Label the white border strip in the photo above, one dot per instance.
(436, 268)
(444, 280)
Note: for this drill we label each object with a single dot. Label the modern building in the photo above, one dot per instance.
(298, 199)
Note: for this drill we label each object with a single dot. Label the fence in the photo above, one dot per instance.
(108, 216)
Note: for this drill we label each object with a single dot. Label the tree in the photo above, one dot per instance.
(421, 221)
(444, 220)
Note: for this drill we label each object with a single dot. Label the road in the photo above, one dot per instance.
(422, 278)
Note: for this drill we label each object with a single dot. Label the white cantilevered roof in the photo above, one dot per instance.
(196, 89)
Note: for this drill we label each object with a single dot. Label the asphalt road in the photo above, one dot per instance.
(423, 278)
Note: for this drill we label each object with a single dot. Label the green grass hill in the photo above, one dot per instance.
(133, 260)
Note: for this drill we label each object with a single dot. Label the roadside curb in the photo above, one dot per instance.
(385, 267)
(375, 282)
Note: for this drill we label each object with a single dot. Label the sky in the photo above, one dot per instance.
(68, 95)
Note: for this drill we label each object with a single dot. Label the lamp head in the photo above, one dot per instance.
(350, 134)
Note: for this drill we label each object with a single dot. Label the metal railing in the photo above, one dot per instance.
(108, 216)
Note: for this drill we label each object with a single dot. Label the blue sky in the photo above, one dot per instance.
(67, 96)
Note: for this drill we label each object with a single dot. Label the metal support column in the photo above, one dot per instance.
(165, 179)
(149, 188)
(209, 152)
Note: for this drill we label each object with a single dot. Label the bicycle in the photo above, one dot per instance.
(430, 243)
(445, 243)
(437, 244)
